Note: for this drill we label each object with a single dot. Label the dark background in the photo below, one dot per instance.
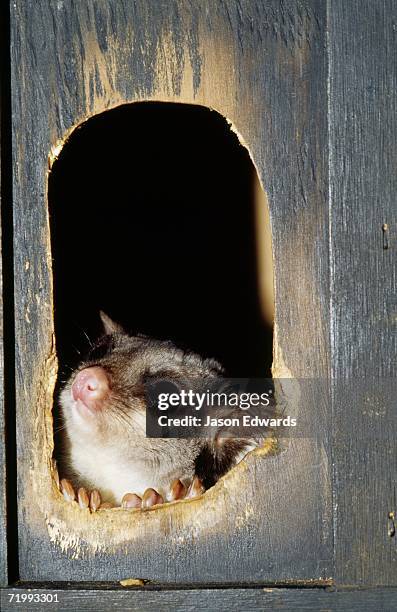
(152, 220)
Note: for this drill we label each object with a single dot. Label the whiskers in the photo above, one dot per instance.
(90, 342)
(123, 412)
(59, 428)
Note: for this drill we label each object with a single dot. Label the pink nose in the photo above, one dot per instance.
(91, 386)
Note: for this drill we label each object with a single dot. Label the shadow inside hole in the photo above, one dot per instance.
(152, 218)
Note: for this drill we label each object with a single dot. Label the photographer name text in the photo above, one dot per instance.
(241, 421)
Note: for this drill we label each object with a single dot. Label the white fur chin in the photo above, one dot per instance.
(106, 471)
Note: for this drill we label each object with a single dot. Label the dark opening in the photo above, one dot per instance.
(153, 221)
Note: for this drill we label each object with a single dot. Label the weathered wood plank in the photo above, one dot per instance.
(5, 204)
(363, 158)
(3, 480)
(263, 66)
(228, 600)
(3, 500)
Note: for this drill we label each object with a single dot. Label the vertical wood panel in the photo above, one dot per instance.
(363, 154)
(263, 66)
(5, 204)
(3, 501)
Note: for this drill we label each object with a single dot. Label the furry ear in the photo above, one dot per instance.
(110, 326)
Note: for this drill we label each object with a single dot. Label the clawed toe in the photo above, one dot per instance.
(85, 500)
(130, 500)
(151, 498)
(92, 500)
(67, 490)
(196, 488)
(177, 490)
(95, 500)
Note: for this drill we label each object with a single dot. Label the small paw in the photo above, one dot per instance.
(85, 499)
(149, 498)
(92, 499)
(152, 498)
(180, 491)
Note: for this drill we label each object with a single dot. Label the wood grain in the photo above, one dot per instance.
(227, 600)
(7, 426)
(263, 67)
(3, 480)
(363, 183)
